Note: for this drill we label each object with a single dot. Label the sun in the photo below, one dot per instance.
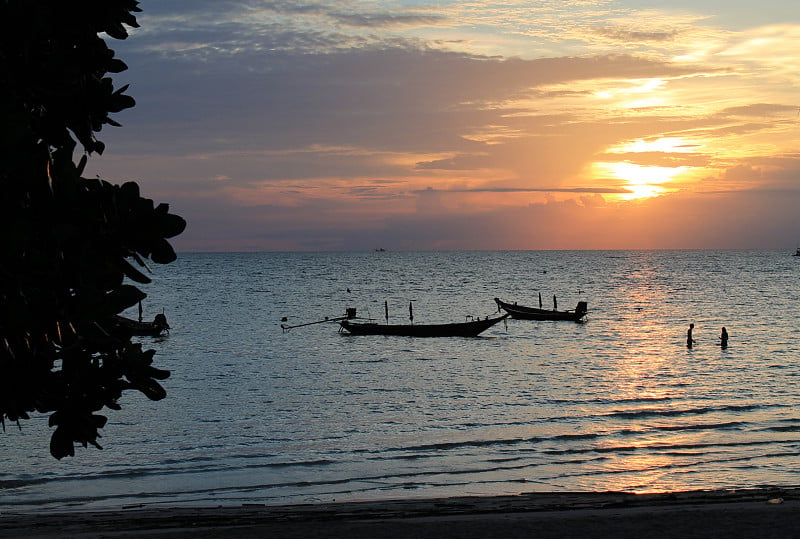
(645, 181)
(642, 181)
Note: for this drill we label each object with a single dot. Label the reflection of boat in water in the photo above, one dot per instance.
(532, 313)
(470, 328)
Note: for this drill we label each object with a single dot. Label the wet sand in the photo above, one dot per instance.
(737, 514)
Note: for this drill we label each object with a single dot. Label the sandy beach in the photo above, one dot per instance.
(740, 513)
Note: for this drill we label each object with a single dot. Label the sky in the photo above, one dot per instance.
(464, 125)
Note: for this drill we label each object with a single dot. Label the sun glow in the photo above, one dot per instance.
(645, 181)
(661, 144)
(642, 181)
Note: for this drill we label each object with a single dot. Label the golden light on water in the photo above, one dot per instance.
(648, 469)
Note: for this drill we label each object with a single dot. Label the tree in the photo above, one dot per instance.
(68, 243)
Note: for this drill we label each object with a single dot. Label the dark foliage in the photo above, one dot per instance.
(67, 242)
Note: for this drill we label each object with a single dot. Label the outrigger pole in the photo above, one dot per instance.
(284, 327)
(350, 313)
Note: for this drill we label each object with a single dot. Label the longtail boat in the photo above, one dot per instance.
(156, 328)
(470, 328)
(532, 313)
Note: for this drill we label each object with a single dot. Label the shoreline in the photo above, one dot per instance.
(763, 512)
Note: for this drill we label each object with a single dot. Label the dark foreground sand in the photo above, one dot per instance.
(762, 513)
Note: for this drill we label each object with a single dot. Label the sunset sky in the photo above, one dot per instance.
(439, 125)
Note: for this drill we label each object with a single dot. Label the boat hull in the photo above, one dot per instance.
(156, 328)
(458, 329)
(531, 313)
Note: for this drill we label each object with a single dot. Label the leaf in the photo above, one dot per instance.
(123, 297)
(171, 225)
(163, 253)
(82, 164)
(115, 30)
(61, 444)
(129, 193)
(132, 273)
(116, 66)
(158, 374)
(119, 103)
(151, 389)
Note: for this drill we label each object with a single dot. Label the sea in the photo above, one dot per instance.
(256, 414)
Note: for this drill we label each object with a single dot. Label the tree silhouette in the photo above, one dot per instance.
(68, 243)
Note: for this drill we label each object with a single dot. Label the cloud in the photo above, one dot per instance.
(279, 125)
(406, 99)
(425, 219)
(663, 159)
(758, 110)
(628, 35)
(599, 190)
(386, 20)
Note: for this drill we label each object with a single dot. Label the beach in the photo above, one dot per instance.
(730, 513)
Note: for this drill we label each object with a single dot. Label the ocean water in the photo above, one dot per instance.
(258, 415)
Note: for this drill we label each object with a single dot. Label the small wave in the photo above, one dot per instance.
(600, 400)
(212, 466)
(655, 447)
(7, 484)
(465, 443)
(495, 442)
(448, 446)
(731, 425)
(652, 412)
(787, 428)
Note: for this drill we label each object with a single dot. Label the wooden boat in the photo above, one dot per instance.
(470, 328)
(532, 313)
(797, 252)
(156, 328)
